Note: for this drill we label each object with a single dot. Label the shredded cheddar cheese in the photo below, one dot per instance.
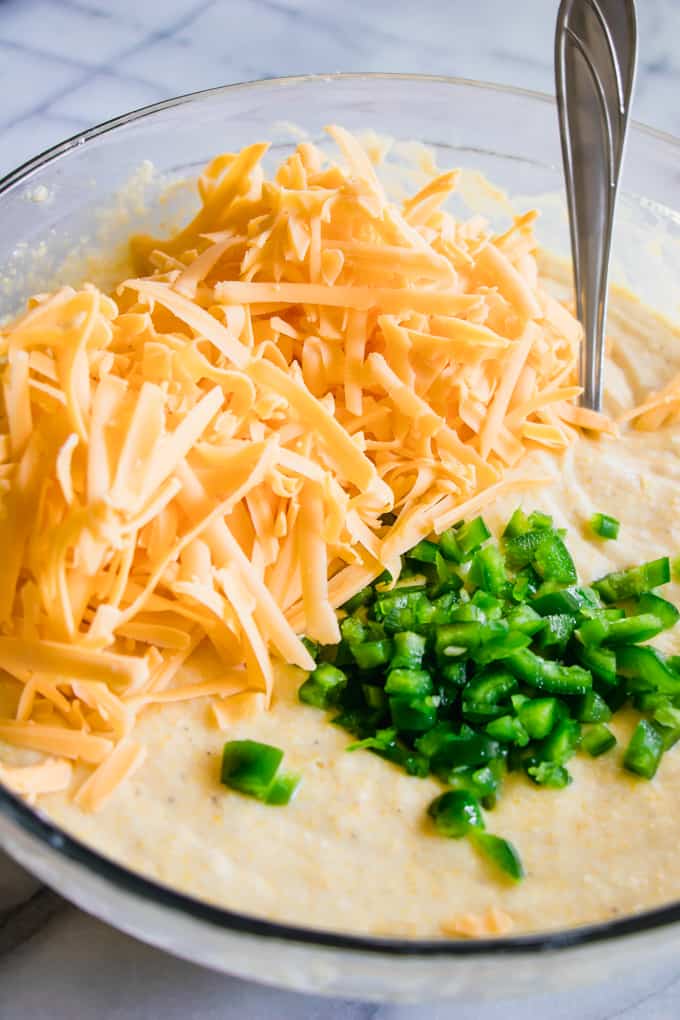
(493, 921)
(209, 453)
(661, 408)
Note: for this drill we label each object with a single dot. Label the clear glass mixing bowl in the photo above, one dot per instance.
(62, 203)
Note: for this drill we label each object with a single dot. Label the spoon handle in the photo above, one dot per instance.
(595, 61)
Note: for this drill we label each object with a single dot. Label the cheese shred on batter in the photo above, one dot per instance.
(208, 455)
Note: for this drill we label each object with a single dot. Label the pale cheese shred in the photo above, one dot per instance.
(231, 427)
(51, 776)
(661, 408)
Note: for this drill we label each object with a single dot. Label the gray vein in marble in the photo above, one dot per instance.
(88, 970)
(22, 922)
(127, 57)
(89, 73)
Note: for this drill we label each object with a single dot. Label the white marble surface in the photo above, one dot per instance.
(67, 64)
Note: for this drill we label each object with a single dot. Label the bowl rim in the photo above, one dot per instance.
(28, 167)
(35, 824)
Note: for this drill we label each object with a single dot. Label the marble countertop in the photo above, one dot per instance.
(67, 64)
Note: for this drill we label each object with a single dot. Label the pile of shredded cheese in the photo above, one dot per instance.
(208, 454)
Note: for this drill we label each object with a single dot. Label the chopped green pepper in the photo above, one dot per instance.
(408, 650)
(424, 552)
(312, 647)
(632, 629)
(488, 570)
(500, 852)
(483, 783)
(565, 600)
(374, 696)
(556, 631)
(402, 610)
(471, 535)
(448, 578)
(605, 526)
(517, 524)
(354, 630)
(413, 714)
(539, 716)
(413, 683)
(593, 708)
(455, 813)
(644, 751)
(540, 521)
(525, 619)
(508, 730)
(434, 739)
(593, 630)
(464, 748)
(492, 606)
(601, 662)
(598, 740)
(527, 583)
(250, 767)
(361, 722)
(441, 609)
(625, 584)
(411, 762)
(520, 550)
(500, 647)
(323, 687)
(561, 743)
(553, 561)
(490, 688)
(362, 598)
(449, 547)
(283, 789)
(455, 639)
(550, 774)
(545, 675)
(668, 716)
(452, 673)
(371, 654)
(382, 740)
(647, 667)
(649, 701)
(661, 608)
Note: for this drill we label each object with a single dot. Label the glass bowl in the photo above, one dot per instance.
(61, 205)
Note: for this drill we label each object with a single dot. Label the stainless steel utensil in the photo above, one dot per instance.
(595, 61)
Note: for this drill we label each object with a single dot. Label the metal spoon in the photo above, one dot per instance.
(595, 62)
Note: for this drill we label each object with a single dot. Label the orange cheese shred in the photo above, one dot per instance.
(126, 757)
(55, 740)
(493, 921)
